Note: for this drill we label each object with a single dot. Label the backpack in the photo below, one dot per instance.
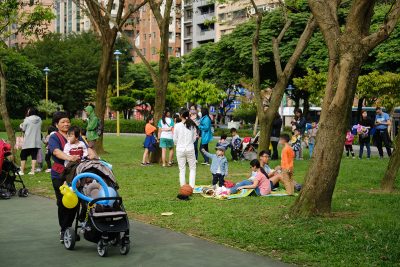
(237, 143)
(100, 128)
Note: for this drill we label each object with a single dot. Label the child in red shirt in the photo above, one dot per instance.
(348, 144)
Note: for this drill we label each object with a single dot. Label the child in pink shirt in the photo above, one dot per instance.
(348, 144)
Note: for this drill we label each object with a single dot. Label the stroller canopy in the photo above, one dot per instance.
(97, 167)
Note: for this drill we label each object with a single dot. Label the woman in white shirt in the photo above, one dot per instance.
(165, 134)
(184, 137)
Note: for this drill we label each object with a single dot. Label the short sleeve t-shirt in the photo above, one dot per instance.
(169, 123)
(55, 143)
(149, 129)
(263, 184)
(384, 117)
(287, 158)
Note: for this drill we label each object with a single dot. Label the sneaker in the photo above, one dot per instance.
(21, 173)
(31, 173)
(48, 170)
(38, 170)
(62, 237)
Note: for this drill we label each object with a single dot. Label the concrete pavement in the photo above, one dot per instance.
(29, 237)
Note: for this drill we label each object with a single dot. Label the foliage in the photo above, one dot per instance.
(48, 107)
(110, 126)
(384, 87)
(24, 83)
(139, 74)
(74, 62)
(122, 103)
(246, 112)
(201, 92)
(314, 83)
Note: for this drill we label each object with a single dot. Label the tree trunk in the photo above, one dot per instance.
(3, 109)
(103, 81)
(320, 180)
(388, 181)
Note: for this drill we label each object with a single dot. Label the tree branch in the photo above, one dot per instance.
(275, 47)
(131, 11)
(385, 30)
(155, 7)
(119, 12)
(300, 47)
(325, 13)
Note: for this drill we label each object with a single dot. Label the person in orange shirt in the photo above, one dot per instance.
(149, 141)
(285, 172)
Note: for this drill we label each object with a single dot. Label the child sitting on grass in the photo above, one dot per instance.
(219, 167)
(74, 147)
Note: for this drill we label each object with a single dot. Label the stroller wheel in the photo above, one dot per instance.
(23, 192)
(69, 238)
(124, 249)
(102, 249)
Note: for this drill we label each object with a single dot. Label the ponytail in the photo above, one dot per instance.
(189, 123)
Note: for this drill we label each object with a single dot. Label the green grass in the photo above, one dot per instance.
(362, 231)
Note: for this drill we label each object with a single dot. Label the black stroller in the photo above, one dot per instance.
(105, 225)
(9, 174)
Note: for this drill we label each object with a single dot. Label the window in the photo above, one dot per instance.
(188, 14)
(170, 35)
(239, 14)
(144, 52)
(153, 51)
(170, 50)
(188, 31)
(209, 9)
(188, 47)
(221, 17)
(205, 28)
(144, 35)
(154, 35)
(114, 6)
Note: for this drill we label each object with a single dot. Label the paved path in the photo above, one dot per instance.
(29, 237)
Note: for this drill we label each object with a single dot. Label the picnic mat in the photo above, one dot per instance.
(242, 193)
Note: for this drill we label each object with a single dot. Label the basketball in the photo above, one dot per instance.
(186, 190)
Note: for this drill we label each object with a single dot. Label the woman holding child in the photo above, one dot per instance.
(57, 142)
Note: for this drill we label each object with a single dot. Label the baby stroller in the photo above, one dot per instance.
(9, 174)
(249, 148)
(103, 219)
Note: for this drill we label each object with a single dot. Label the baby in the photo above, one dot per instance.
(75, 147)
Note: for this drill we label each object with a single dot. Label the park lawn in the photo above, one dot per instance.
(363, 229)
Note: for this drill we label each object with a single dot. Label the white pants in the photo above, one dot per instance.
(189, 157)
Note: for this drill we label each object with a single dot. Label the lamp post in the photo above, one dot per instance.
(46, 72)
(117, 53)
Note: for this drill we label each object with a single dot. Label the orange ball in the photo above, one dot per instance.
(186, 190)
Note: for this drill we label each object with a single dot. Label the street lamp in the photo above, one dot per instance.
(117, 54)
(46, 72)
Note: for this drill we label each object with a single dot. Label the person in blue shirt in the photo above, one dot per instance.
(206, 133)
(382, 122)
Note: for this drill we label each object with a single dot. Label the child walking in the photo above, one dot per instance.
(75, 147)
(219, 166)
(287, 164)
(312, 134)
(149, 141)
(348, 144)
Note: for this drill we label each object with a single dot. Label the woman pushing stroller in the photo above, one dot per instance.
(56, 145)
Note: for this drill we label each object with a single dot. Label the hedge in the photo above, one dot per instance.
(110, 126)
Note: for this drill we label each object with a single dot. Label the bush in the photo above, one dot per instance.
(110, 126)
(246, 112)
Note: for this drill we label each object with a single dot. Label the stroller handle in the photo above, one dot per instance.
(94, 201)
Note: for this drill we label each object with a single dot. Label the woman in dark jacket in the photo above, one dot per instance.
(365, 138)
(276, 132)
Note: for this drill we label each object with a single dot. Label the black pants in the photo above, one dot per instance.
(275, 154)
(47, 158)
(65, 216)
(218, 178)
(235, 153)
(349, 149)
(205, 146)
(383, 136)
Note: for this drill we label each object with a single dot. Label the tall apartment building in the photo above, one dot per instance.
(198, 24)
(146, 34)
(229, 15)
(69, 17)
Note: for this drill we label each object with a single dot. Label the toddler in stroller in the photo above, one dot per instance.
(9, 174)
(101, 218)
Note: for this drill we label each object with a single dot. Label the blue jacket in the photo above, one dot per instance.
(205, 128)
(216, 162)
